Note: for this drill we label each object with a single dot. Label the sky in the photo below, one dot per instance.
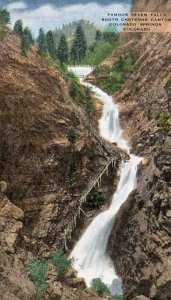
(52, 14)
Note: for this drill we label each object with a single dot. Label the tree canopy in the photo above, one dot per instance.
(63, 52)
(51, 44)
(5, 17)
(42, 43)
(79, 46)
(18, 27)
(27, 40)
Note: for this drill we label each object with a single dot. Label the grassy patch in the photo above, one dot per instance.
(3, 33)
(39, 273)
(100, 287)
(62, 263)
(113, 78)
(97, 54)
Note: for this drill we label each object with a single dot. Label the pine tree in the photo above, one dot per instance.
(18, 27)
(79, 45)
(98, 36)
(27, 40)
(5, 17)
(42, 43)
(51, 44)
(63, 53)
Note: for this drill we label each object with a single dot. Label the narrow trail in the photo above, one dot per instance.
(89, 255)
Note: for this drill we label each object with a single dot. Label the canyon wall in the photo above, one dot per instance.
(140, 243)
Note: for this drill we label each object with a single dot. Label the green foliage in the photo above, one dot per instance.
(27, 40)
(39, 273)
(69, 30)
(18, 27)
(72, 135)
(62, 263)
(3, 33)
(63, 52)
(100, 287)
(95, 199)
(4, 16)
(42, 43)
(98, 53)
(115, 77)
(79, 46)
(110, 36)
(90, 107)
(98, 36)
(51, 44)
(76, 90)
(165, 121)
(72, 173)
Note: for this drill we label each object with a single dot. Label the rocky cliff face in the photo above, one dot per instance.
(36, 201)
(140, 243)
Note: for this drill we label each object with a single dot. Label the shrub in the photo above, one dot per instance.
(100, 287)
(72, 135)
(165, 121)
(90, 107)
(61, 262)
(95, 199)
(71, 175)
(76, 90)
(3, 33)
(99, 54)
(39, 273)
(4, 16)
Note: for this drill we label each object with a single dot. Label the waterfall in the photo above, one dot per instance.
(89, 255)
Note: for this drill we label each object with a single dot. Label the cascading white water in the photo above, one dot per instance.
(89, 255)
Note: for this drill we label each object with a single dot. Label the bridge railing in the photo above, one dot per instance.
(81, 66)
(83, 199)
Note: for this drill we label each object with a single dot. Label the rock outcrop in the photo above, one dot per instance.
(140, 243)
(37, 200)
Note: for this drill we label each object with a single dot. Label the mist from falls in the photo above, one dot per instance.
(89, 255)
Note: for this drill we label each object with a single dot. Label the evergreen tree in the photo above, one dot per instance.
(51, 44)
(18, 27)
(79, 45)
(4, 16)
(42, 44)
(63, 50)
(98, 36)
(27, 40)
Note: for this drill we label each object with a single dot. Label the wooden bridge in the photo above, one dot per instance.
(95, 182)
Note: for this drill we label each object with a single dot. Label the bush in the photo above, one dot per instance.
(99, 53)
(72, 135)
(100, 287)
(76, 90)
(39, 273)
(115, 76)
(61, 262)
(3, 33)
(71, 175)
(95, 199)
(4, 16)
